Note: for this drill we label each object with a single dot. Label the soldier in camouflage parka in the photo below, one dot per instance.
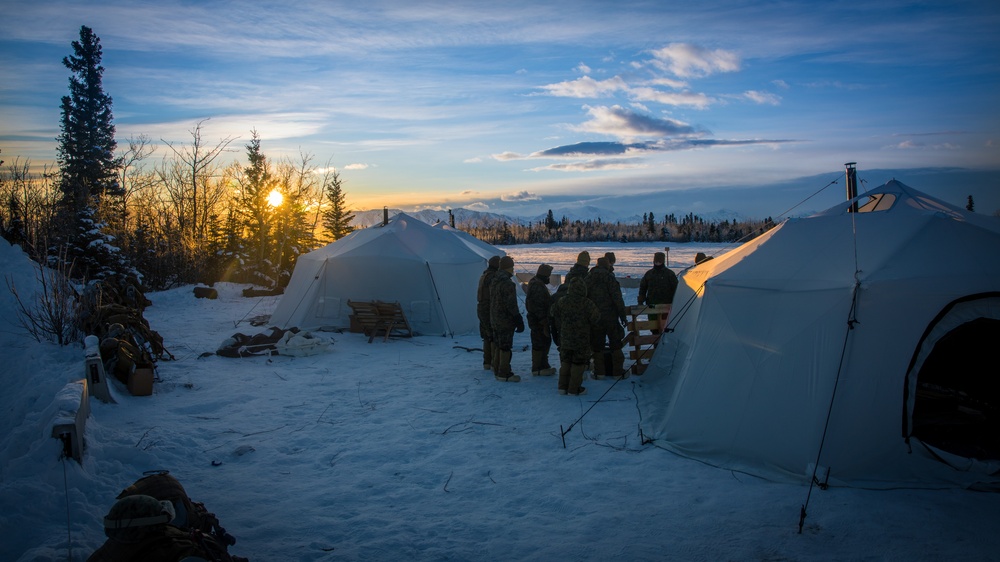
(505, 317)
(579, 269)
(537, 302)
(657, 286)
(483, 310)
(603, 289)
(576, 319)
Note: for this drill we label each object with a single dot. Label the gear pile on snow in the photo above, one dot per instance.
(274, 341)
(112, 310)
(154, 520)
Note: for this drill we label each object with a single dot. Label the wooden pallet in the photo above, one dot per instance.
(374, 317)
(644, 334)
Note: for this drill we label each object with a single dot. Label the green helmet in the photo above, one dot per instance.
(133, 516)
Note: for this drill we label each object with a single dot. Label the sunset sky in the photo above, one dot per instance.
(480, 104)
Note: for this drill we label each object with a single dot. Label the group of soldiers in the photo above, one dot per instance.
(586, 317)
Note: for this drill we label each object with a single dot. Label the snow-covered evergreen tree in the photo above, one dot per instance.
(87, 167)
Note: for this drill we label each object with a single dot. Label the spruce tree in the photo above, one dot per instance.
(337, 219)
(87, 166)
(256, 181)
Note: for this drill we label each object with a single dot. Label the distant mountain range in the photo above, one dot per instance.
(363, 219)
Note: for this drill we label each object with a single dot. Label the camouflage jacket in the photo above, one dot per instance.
(576, 319)
(537, 303)
(577, 271)
(504, 314)
(483, 293)
(604, 290)
(658, 286)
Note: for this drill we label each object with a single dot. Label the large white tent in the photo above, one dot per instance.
(476, 245)
(431, 272)
(828, 346)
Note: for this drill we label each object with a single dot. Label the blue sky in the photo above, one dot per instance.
(487, 105)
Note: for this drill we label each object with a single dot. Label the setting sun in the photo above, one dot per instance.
(275, 198)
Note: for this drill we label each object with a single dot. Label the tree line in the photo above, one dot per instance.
(670, 228)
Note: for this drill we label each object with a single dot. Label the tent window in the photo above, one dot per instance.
(878, 202)
(957, 406)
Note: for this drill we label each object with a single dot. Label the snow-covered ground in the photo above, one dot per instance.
(408, 450)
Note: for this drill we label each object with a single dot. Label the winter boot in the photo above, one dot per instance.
(487, 355)
(564, 369)
(504, 374)
(576, 380)
(540, 365)
(618, 360)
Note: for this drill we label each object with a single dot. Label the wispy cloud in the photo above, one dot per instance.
(677, 99)
(587, 87)
(672, 67)
(763, 98)
(587, 149)
(592, 165)
(685, 60)
(914, 145)
(356, 166)
(520, 196)
(837, 85)
(505, 156)
(584, 149)
(623, 123)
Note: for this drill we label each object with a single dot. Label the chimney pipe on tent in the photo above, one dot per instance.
(385, 216)
(852, 184)
(451, 219)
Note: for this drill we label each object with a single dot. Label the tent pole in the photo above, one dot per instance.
(852, 319)
(444, 317)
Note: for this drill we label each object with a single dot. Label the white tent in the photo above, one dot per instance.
(475, 244)
(830, 346)
(431, 272)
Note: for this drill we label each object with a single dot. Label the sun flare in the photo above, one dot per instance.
(275, 198)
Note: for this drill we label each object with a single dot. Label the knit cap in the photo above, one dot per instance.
(611, 257)
(659, 257)
(507, 263)
(494, 262)
(544, 270)
(583, 259)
